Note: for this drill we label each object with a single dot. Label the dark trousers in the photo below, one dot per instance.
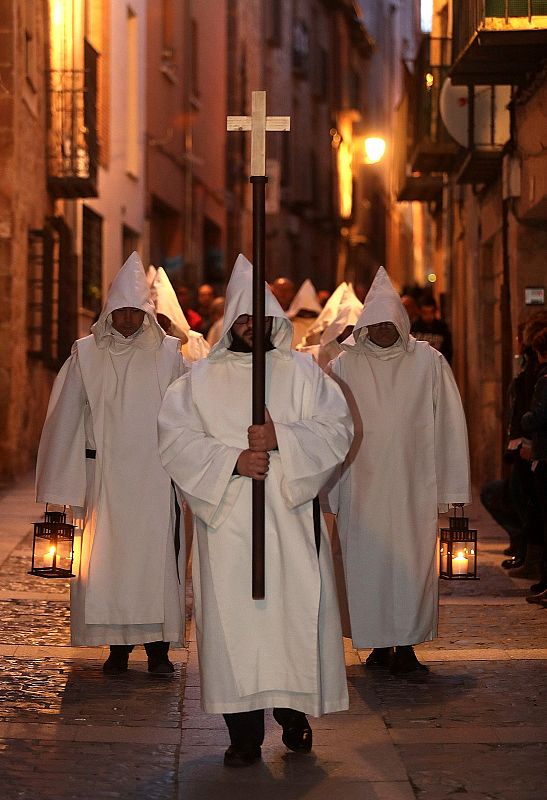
(246, 728)
(496, 497)
(540, 493)
(153, 649)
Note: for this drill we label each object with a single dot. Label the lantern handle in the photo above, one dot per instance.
(457, 506)
(64, 508)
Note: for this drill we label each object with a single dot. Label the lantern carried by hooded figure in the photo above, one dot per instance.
(53, 546)
(458, 548)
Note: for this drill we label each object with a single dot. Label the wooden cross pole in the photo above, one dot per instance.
(258, 123)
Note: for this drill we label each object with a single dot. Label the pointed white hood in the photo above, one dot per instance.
(239, 300)
(348, 313)
(329, 311)
(129, 289)
(167, 304)
(304, 300)
(383, 304)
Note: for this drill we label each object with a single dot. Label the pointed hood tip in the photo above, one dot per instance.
(129, 289)
(239, 300)
(166, 302)
(348, 313)
(383, 304)
(304, 300)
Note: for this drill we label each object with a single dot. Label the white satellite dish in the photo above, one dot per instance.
(492, 121)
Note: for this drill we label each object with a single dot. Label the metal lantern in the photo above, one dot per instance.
(53, 546)
(458, 548)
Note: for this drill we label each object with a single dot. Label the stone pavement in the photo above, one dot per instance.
(475, 727)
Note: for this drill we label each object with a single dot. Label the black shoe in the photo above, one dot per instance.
(513, 562)
(116, 664)
(380, 658)
(241, 756)
(538, 587)
(404, 660)
(299, 740)
(297, 733)
(161, 667)
(538, 599)
(510, 551)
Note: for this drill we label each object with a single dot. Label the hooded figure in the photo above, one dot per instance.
(303, 310)
(286, 650)
(328, 313)
(340, 328)
(409, 460)
(99, 454)
(171, 318)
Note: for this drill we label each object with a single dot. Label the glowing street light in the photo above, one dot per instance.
(375, 147)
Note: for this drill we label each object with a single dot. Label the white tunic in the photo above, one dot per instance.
(409, 457)
(285, 650)
(194, 346)
(106, 399)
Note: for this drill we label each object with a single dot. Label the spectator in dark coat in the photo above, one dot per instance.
(429, 328)
(534, 422)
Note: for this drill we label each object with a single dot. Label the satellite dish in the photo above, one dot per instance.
(492, 122)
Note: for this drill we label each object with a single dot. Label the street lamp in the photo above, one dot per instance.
(375, 147)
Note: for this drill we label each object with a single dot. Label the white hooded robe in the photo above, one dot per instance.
(285, 650)
(194, 346)
(304, 300)
(409, 459)
(347, 314)
(106, 399)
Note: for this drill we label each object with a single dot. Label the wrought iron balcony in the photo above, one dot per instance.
(498, 41)
(432, 149)
(411, 184)
(72, 136)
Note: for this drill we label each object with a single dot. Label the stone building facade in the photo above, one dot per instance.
(476, 165)
(26, 214)
(310, 57)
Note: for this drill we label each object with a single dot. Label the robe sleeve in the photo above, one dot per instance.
(180, 367)
(312, 448)
(451, 446)
(60, 467)
(195, 348)
(329, 496)
(200, 465)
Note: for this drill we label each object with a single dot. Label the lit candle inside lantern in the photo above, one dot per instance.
(53, 554)
(460, 564)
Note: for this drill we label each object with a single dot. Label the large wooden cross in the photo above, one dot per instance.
(258, 123)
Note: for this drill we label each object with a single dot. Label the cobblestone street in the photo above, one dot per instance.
(473, 728)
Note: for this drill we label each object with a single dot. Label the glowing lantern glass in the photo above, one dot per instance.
(53, 546)
(458, 548)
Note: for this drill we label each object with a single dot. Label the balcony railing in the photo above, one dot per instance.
(72, 139)
(498, 41)
(411, 185)
(433, 149)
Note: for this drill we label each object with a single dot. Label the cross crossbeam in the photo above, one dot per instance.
(258, 123)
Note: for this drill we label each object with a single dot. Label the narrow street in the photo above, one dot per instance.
(474, 727)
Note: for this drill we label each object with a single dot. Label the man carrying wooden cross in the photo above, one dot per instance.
(283, 651)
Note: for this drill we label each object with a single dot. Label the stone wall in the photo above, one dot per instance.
(24, 384)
